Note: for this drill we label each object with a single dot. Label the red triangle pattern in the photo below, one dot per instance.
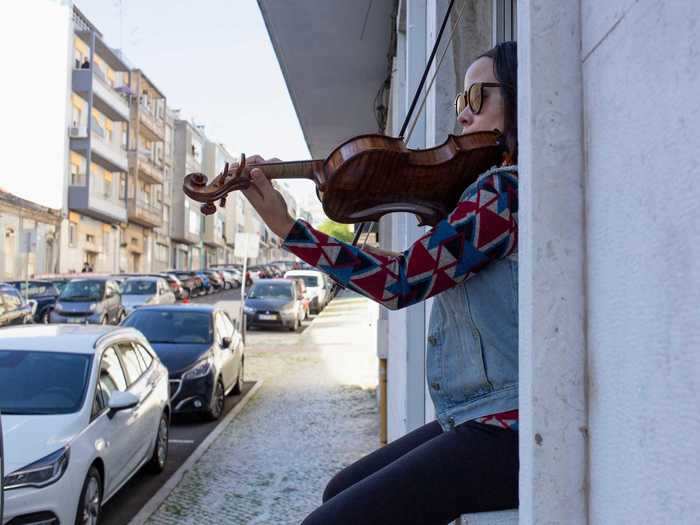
(491, 226)
(373, 285)
(441, 282)
(419, 260)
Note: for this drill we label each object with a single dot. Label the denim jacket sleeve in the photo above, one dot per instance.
(483, 227)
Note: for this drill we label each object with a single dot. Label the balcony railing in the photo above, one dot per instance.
(144, 211)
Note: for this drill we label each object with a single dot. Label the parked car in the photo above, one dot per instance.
(190, 282)
(83, 408)
(43, 292)
(206, 282)
(57, 281)
(232, 278)
(95, 300)
(140, 291)
(301, 292)
(317, 287)
(274, 302)
(202, 349)
(174, 284)
(216, 279)
(13, 307)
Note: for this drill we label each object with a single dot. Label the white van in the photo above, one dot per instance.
(317, 288)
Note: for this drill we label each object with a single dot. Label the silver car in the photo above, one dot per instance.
(141, 291)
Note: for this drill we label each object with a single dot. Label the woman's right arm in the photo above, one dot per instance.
(483, 227)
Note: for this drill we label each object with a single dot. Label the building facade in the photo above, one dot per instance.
(145, 184)
(98, 163)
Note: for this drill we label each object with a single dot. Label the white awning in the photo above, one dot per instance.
(334, 58)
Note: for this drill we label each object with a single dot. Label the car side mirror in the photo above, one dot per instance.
(121, 401)
(226, 342)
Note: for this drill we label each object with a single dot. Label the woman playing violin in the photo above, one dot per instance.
(467, 460)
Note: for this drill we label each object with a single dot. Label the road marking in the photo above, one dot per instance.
(159, 497)
(181, 441)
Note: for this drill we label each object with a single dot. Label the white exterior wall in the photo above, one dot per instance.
(641, 84)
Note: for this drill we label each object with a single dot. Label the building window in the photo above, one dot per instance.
(108, 185)
(194, 223)
(89, 238)
(72, 234)
(504, 20)
(166, 213)
(122, 186)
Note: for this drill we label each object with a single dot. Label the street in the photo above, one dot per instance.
(186, 433)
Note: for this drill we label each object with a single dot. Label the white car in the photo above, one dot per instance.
(141, 291)
(317, 288)
(83, 409)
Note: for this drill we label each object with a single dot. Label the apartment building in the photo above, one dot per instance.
(187, 227)
(28, 237)
(98, 164)
(146, 172)
(162, 244)
(215, 239)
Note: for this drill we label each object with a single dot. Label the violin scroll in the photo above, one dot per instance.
(197, 186)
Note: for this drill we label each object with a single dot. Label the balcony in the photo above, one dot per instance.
(94, 200)
(144, 213)
(107, 154)
(108, 100)
(153, 126)
(144, 164)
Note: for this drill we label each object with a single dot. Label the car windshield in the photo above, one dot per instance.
(271, 291)
(42, 382)
(35, 289)
(79, 291)
(311, 281)
(139, 288)
(171, 326)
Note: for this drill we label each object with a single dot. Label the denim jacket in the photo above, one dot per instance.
(469, 263)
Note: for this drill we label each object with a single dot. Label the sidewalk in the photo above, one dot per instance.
(315, 413)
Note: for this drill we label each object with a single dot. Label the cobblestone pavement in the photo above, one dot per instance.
(315, 413)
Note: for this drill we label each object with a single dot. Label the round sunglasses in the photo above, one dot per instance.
(473, 97)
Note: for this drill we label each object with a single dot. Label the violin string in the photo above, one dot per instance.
(437, 68)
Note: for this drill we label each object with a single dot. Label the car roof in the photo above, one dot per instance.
(60, 337)
(97, 278)
(303, 272)
(206, 308)
(144, 278)
(275, 280)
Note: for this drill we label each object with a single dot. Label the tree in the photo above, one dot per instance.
(337, 230)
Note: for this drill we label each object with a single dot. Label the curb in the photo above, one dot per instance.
(159, 497)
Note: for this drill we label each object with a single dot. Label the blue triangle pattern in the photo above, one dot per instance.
(341, 274)
(471, 259)
(443, 230)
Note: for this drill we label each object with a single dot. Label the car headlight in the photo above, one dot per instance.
(93, 307)
(249, 310)
(200, 369)
(41, 473)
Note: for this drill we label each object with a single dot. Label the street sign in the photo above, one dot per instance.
(247, 245)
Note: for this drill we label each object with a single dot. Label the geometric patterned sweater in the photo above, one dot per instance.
(483, 227)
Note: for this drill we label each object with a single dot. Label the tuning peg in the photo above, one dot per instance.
(208, 208)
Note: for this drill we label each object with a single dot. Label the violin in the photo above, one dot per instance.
(371, 175)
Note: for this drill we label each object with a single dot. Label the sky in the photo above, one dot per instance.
(213, 60)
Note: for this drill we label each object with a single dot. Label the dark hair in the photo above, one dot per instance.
(505, 68)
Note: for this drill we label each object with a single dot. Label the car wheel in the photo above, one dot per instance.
(90, 503)
(295, 326)
(156, 464)
(216, 407)
(239, 381)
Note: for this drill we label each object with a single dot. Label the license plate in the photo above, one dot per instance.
(265, 317)
(75, 320)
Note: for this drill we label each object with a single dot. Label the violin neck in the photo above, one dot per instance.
(299, 169)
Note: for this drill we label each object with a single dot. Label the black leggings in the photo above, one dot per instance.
(427, 477)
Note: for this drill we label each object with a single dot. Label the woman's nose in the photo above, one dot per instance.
(465, 118)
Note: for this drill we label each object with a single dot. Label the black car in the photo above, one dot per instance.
(13, 308)
(43, 292)
(202, 349)
(274, 302)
